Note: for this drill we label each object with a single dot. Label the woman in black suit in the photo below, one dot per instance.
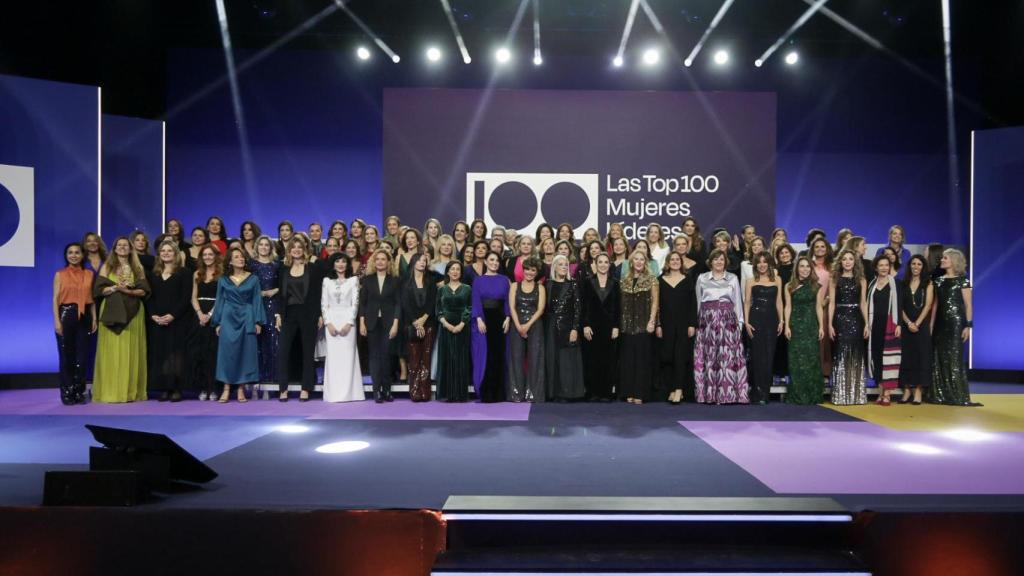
(379, 315)
(300, 286)
(600, 331)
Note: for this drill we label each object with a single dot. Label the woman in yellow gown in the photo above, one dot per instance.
(121, 353)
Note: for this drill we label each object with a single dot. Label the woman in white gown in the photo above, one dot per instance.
(343, 379)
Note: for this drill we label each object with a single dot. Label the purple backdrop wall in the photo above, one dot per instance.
(641, 157)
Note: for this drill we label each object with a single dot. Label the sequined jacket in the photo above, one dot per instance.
(564, 309)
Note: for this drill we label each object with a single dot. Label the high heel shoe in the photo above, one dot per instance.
(241, 395)
(283, 397)
(304, 396)
(225, 396)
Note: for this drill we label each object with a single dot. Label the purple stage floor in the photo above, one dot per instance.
(417, 454)
(44, 402)
(864, 458)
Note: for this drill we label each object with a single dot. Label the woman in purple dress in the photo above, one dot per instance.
(490, 324)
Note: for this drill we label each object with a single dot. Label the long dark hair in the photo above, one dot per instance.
(926, 272)
(331, 272)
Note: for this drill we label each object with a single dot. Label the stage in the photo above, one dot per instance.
(897, 458)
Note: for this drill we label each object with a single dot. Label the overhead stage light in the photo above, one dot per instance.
(363, 53)
(396, 59)
(434, 54)
(617, 62)
(792, 58)
(651, 56)
(721, 57)
(502, 55)
(537, 60)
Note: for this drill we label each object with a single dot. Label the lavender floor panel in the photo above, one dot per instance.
(863, 458)
(64, 439)
(45, 402)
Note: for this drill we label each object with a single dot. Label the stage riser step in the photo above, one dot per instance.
(468, 534)
(689, 559)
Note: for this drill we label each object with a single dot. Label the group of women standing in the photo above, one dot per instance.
(529, 318)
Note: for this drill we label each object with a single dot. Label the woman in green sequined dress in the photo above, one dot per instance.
(952, 317)
(804, 331)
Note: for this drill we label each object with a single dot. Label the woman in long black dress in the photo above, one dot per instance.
(785, 257)
(203, 342)
(564, 369)
(167, 319)
(601, 304)
(762, 301)
(848, 309)
(918, 295)
(638, 320)
(454, 309)
(677, 325)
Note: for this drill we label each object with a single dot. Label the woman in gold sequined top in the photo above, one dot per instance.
(639, 306)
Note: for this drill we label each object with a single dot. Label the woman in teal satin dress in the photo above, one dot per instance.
(238, 316)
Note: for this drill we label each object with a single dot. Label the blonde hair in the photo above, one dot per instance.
(158, 267)
(288, 260)
(957, 259)
(387, 270)
(112, 261)
(661, 243)
(554, 265)
(629, 269)
(443, 239)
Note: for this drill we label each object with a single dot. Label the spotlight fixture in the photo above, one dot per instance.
(537, 60)
(792, 58)
(617, 62)
(721, 57)
(502, 55)
(363, 53)
(688, 62)
(758, 62)
(651, 56)
(396, 59)
(434, 54)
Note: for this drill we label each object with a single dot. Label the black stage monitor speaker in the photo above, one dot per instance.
(155, 455)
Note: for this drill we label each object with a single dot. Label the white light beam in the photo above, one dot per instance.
(366, 29)
(818, 4)
(537, 59)
(236, 101)
(455, 30)
(626, 31)
(711, 28)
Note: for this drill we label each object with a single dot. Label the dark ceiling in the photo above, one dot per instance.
(122, 44)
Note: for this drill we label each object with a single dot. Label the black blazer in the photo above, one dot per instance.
(311, 301)
(411, 310)
(375, 304)
(601, 316)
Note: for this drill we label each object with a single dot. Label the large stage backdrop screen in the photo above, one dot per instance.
(590, 158)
